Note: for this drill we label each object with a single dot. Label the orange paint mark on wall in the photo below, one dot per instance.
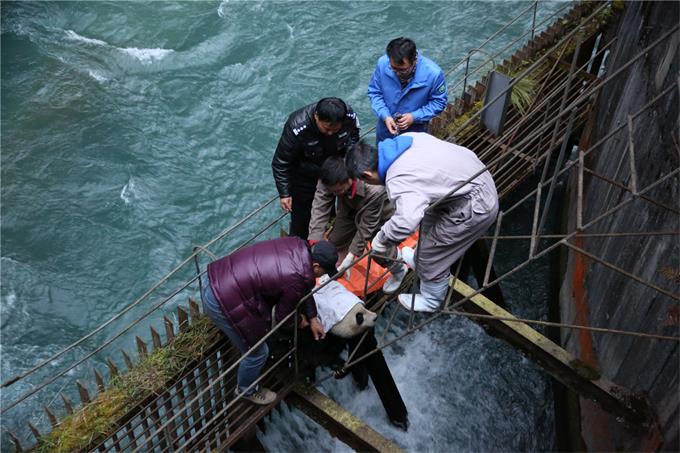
(585, 339)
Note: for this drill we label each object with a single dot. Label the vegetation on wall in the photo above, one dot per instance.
(151, 375)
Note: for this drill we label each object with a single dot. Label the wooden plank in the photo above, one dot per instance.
(99, 379)
(51, 417)
(82, 391)
(338, 421)
(146, 432)
(214, 392)
(182, 409)
(113, 369)
(156, 418)
(155, 338)
(130, 433)
(128, 361)
(115, 443)
(561, 364)
(102, 447)
(67, 403)
(15, 441)
(141, 348)
(183, 319)
(34, 430)
(195, 413)
(170, 428)
(203, 382)
(219, 392)
(169, 330)
(194, 310)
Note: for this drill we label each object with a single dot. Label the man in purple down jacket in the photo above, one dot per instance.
(240, 290)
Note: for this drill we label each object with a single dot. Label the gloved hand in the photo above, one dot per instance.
(378, 246)
(346, 263)
(388, 251)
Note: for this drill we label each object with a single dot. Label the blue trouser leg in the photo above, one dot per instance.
(251, 365)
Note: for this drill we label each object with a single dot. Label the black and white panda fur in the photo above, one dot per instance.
(358, 320)
(341, 313)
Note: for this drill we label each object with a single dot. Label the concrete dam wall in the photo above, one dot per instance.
(598, 295)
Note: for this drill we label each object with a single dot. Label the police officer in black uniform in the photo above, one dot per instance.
(310, 135)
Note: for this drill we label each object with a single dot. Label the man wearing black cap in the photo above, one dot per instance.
(240, 290)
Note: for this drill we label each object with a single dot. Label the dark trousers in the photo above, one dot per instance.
(380, 374)
(303, 196)
(326, 353)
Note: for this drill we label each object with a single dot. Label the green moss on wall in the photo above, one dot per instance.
(98, 418)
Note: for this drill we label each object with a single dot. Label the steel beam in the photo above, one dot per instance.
(338, 421)
(558, 362)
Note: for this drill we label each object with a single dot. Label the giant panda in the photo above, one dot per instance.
(342, 313)
(357, 320)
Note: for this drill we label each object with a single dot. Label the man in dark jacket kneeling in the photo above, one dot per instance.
(240, 290)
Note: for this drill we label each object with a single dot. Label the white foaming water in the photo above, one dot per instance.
(76, 37)
(222, 9)
(147, 56)
(439, 381)
(413, 369)
(128, 193)
(97, 76)
(8, 302)
(291, 429)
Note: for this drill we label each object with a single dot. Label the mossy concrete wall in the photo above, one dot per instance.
(595, 295)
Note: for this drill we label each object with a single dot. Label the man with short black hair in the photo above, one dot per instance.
(406, 91)
(310, 135)
(417, 170)
(361, 210)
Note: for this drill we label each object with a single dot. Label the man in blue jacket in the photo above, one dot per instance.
(407, 90)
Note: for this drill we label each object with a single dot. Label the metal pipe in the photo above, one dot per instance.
(579, 192)
(621, 271)
(533, 21)
(467, 65)
(525, 237)
(627, 189)
(492, 252)
(551, 189)
(567, 326)
(631, 156)
(534, 222)
(570, 235)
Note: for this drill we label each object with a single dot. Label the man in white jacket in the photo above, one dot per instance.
(417, 170)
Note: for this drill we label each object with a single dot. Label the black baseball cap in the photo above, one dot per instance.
(324, 253)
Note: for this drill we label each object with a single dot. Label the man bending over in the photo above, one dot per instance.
(417, 170)
(361, 210)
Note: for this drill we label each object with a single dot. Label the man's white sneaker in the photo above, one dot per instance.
(409, 256)
(262, 397)
(394, 282)
(420, 304)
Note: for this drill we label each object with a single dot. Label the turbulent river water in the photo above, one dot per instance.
(133, 131)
